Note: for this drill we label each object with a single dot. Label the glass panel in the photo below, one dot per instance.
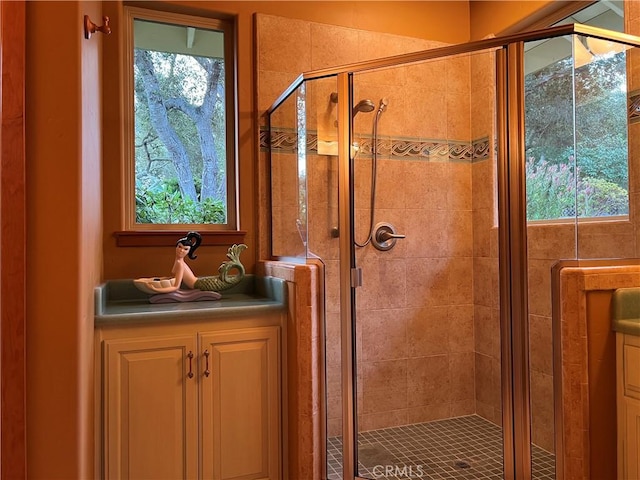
(427, 314)
(323, 246)
(549, 133)
(288, 184)
(577, 205)
(551, 185)
(180, 124)
(602, 151)
(605, 129)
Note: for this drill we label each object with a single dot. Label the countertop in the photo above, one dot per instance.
(626, 310)
(119, 301)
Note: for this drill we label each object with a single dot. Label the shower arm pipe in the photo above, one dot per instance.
(486, 44)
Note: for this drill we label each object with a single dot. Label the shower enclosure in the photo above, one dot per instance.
(406, 179)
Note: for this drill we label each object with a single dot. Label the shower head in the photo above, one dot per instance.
(364, 106)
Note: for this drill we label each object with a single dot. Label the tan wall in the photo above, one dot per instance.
(420, 19)
(64, 211)
(496, 16)
(64, 244)
(416, 307)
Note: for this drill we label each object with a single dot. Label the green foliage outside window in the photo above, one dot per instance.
(163, 203)
(554, 191)
(180, 134)
(576, 139)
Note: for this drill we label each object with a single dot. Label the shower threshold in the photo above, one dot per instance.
(468, 447)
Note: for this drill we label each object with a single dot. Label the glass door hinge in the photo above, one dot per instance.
(356, 277)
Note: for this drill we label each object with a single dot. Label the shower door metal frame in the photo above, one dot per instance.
(512, 232)
(514, 334)
(512, 245)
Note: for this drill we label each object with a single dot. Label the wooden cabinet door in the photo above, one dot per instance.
(631, 440)
(150, 408)
(240, 398)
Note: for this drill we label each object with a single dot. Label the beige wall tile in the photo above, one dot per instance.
(384, 334)
(542, 431)
(432, 73)
(487, 338)
(459, 74)
(274, 38)
(484, 384)
(461, 328)
(332, 45)
(483, 185)
(377, 401)
(427, 282)
(460, 233)
(458, 116)
(428, 117)
(463, 407)
(384, 284)
(427, 331)
(429, 413)
(482, 284)
(551, 241)
(460, 193)
(606, 246)
(481, 220)
(462, 375)
(426, 185)
(390, 375)
(540, 344)
(374, 421)
(460, 280)
(428, 380)
(390, 173)
(539, 279)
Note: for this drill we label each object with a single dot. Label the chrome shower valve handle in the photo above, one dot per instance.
(385, 236)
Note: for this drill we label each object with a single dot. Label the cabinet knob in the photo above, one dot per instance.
(207, 372)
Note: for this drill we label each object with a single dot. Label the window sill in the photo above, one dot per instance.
(580, 220)
(168, 238)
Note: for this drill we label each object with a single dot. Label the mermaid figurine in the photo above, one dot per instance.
(183, 275)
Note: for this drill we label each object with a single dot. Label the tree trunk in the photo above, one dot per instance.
(160, 122)
(212, 186)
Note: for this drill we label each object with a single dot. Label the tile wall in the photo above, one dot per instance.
(420, 304)
(428, 333)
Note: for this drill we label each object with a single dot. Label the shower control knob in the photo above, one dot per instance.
(385, 236)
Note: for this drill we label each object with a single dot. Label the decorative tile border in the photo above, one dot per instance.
(286, 141)
(633, 106)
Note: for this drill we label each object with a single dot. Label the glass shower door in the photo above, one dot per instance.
(427, 324)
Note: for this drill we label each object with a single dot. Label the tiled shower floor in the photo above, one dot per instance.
(456, 448)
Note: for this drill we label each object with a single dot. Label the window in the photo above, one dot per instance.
(576, 123)
(180, 127)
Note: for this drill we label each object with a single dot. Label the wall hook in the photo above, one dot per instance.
(90, 27)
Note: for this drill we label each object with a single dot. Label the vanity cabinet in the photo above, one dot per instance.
(628, 405)
(150, 408)
(198, 402)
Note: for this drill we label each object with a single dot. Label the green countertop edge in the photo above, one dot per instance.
(626, 311)
(119, 301)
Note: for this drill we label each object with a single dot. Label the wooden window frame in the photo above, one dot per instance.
(137, 234)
